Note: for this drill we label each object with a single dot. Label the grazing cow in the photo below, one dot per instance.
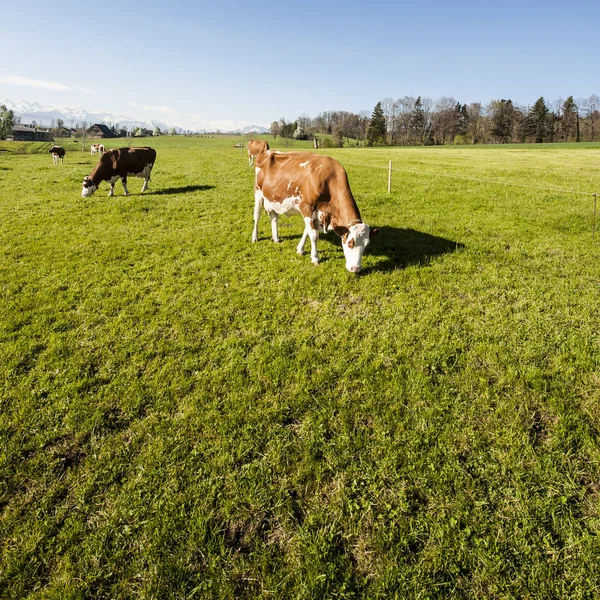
(317, 188)
(255, 147)
(97, 148)
(119, 163)
(58, 152)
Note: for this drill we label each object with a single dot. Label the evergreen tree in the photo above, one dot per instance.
(463, 119)
(569, 119)
(418, 122)
(537, 121)
(503, 120)
(377, 131)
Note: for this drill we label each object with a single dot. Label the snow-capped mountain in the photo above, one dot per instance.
(45, 115)
(249, 129)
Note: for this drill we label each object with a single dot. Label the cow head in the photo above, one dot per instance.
(354, 244)
(88, 188)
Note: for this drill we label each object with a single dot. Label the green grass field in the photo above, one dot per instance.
(185, 414)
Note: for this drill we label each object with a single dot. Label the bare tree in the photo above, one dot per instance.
(591, 108)
(274, 129)
(363, 124)
(389, 110)
(404, 108)
(444, 120)
(304, 122)
(83, 135)
(474, 111)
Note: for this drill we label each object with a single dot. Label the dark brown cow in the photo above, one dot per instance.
(255, 147)
(119, 163)
(317, 188)
(58, 152)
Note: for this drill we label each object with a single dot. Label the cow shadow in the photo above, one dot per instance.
(398, 248)
(401, 248)
(183, 190)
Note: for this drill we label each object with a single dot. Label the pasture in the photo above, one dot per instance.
(185, 414)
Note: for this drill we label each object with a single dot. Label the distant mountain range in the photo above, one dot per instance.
(45, 115)
(249, 129)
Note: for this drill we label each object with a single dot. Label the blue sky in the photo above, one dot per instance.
(256, 61)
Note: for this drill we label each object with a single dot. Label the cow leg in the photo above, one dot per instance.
(274, 226)
(124, 182)
(145, 186)
(258, 205)
(112, 182)
(313, 234)
(300, 248)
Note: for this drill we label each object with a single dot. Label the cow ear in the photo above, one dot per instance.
(374, 232)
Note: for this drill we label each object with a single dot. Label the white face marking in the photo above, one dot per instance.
(86, 192)
(303, 165)
(354, 247)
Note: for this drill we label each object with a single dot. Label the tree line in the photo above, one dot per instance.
(411, 121)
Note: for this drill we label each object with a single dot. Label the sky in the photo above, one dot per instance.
(197, 63)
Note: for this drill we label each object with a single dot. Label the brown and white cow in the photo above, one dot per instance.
(120, 163)
(317, 188)
(255, 147)
(97, 148)
(58, 152)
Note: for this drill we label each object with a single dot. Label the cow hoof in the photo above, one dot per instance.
(300, 252)
(277, 241)
(315, 262)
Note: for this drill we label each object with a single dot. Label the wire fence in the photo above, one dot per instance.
(390, 170)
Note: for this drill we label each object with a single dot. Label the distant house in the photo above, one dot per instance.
(23, 133)
(98, 130)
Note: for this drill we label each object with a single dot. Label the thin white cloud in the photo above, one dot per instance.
(17, 80)
(154, 108)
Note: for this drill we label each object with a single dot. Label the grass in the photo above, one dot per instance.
(189, 415)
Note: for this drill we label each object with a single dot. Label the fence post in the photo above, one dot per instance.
(390, 178)
(594, 225)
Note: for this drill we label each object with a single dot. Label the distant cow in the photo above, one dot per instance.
(255, 147)
(119, 163)
(97, 148)
(317, 188)
(58, 152)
